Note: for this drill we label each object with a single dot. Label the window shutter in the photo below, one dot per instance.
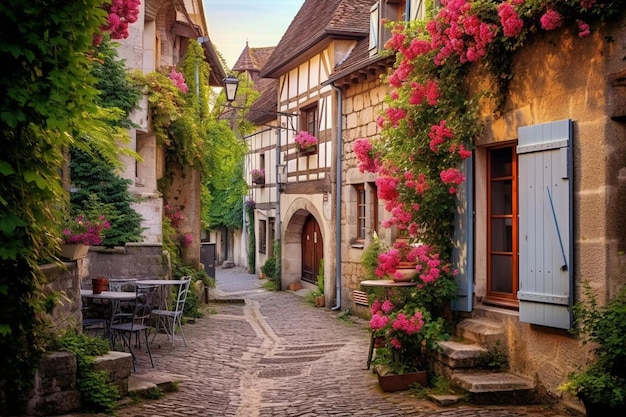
(463, 250)
(545, 224)
(417, 10)
(374, 22)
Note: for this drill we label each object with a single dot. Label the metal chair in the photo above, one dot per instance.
(124, 330)
(171, 320)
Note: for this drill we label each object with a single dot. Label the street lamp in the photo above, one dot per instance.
(281, 175)
(231, 83)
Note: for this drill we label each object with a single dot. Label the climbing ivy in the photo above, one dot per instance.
(47, 94)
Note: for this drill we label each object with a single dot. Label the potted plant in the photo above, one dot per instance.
(305, 142)
(258, 176)
(601, 386)
(81, 232)
(403, 335)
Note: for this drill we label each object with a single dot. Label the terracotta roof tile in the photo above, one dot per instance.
(315, 21)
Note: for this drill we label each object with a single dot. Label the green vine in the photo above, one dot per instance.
(47, 94)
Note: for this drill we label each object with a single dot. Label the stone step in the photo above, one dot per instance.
(488, 387)
(153, 382)
(459, 354)
(485, 332)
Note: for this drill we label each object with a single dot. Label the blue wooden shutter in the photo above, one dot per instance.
(463, 250)
(545, 224)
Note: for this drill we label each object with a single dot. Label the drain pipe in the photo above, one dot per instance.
(339, 166)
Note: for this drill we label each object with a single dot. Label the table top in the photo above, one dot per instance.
(159, 282)
(388, 283)
(109, 295)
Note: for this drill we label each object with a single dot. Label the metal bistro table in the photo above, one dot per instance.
(388, 285)
(114, 298)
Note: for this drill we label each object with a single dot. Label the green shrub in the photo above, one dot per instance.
(97, 392)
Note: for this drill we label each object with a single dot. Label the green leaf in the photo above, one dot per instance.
(6, 168)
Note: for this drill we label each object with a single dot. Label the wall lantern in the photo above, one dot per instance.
(231, 83)
(281, 172)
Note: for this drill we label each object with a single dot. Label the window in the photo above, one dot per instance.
(272, 234)
(502, 276)
(389, 10)
(262, 161)
(262, 236)
(308, 120)
(361, 211)
(366, 214)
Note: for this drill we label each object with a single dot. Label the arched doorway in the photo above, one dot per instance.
(312, 249)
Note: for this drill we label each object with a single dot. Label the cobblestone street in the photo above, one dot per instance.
(276, 355)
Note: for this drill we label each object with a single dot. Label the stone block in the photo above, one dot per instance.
(118, 365)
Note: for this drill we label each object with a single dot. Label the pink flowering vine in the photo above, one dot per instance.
(551, 20)
(179, 80)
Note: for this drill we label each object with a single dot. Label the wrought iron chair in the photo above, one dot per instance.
(171, 320)
(123, 330)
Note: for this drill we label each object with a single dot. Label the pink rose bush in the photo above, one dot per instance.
(406, 332)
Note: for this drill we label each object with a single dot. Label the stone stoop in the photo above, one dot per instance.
(145, 385)
(459, 362)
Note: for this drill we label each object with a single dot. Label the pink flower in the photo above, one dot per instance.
(583, 29)
(387, 306)
(179, 80)
(378, 321)
(305, 139)
(587, 4)
(511, 23)
(363, 150)
(551, 20)
(438, 134)
(452, 176)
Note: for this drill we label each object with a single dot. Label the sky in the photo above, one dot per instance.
(260, 22)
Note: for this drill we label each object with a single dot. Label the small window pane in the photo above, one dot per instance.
(501, 273)
(501, 163)
(501, 235)
(502, 197)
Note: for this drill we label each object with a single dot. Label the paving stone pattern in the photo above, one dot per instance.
(276, 356)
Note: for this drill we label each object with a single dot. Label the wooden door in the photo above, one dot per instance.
(312, 249)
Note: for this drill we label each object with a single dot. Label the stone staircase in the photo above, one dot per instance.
(462, 362)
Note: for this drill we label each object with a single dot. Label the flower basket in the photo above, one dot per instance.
(307, 150)
(258, 176)
(405, 272)
(306, 143)
(73, 251)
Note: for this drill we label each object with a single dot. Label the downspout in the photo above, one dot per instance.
(279, 230)
(339, 166)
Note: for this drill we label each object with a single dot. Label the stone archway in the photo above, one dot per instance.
(295, 219)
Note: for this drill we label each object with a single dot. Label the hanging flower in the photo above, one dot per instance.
(305, 140)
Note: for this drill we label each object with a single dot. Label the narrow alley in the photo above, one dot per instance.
(275, 355)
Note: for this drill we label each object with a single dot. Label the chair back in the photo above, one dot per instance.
(143, 303)
(181, 298)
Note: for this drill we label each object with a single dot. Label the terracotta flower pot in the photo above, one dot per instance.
(405, 271)
(395, 382)
(73, 251)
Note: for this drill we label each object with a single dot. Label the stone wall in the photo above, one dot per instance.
(135, 260)
(363, 103)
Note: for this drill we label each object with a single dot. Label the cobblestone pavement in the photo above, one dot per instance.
(277, 356)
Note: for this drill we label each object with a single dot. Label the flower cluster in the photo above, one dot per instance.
(121, 14)
(258, 175)
(174, 215)
(186, 240)
(305, 139)
(405, 332)
(179, 80)
(84, 230)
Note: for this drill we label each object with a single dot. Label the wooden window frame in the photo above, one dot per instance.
(493, 297)
(361, 213)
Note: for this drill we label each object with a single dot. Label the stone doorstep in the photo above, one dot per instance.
(485, 332)
(484, 387)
